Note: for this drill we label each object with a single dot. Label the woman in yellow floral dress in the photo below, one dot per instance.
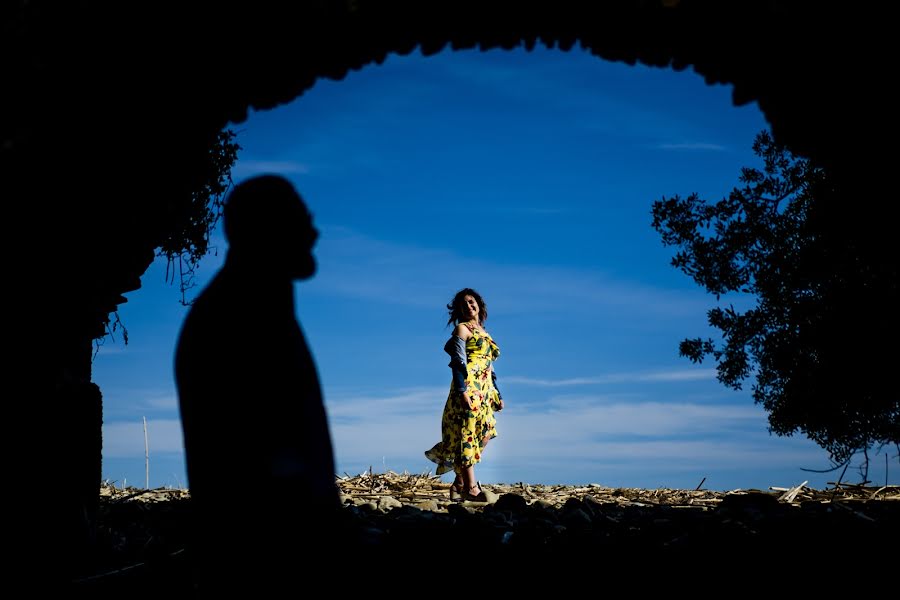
(468, 422)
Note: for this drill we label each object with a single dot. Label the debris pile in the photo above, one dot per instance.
(402, 517)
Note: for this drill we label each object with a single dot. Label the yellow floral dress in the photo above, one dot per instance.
(462, 429)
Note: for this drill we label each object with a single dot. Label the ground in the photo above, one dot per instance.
(403, 519)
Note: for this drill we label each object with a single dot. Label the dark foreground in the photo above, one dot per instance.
(568, 535)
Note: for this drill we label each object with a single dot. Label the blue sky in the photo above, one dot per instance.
(530, 177)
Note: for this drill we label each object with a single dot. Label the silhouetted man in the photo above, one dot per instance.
(259, 456)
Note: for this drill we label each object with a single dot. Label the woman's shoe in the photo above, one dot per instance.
(468, 496)
(455, 492)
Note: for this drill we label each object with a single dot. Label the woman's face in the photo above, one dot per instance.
(470, 307)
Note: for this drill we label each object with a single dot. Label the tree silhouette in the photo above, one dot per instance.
(825, 305)
(191, 217)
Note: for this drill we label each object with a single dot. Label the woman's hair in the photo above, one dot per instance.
(458, 304)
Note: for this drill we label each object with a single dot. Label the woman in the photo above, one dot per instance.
(468, 421)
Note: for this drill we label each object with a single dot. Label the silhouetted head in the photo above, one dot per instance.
(466, 305)
(266, 222)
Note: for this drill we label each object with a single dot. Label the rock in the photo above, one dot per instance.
(427, 505)
(576, 518)
(491, 496)
(573, 504)
(513, 502)
(389, 502)
(458, 510)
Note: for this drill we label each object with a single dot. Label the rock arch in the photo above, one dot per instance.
(110, 110)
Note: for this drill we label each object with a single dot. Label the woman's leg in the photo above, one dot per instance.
(469, 481)
(457, 487)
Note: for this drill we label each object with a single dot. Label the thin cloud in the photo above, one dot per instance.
(527, 210)
(167, 402)
(134, 402)
(537, 83)
(126, 438)
(111, 347)
(692, 146)
(585, 432)
(662, 455)
(417, 276)
(586, 417)
(359, 408)
(246, 168)
(637, 377)
(590, 434)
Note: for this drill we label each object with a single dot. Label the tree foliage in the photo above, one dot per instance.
(824, 301)
(189, 218)
(188, 235)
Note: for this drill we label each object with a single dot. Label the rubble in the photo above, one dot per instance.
(399, 517)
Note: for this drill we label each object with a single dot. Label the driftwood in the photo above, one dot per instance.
(425, 486)
(791, 494)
